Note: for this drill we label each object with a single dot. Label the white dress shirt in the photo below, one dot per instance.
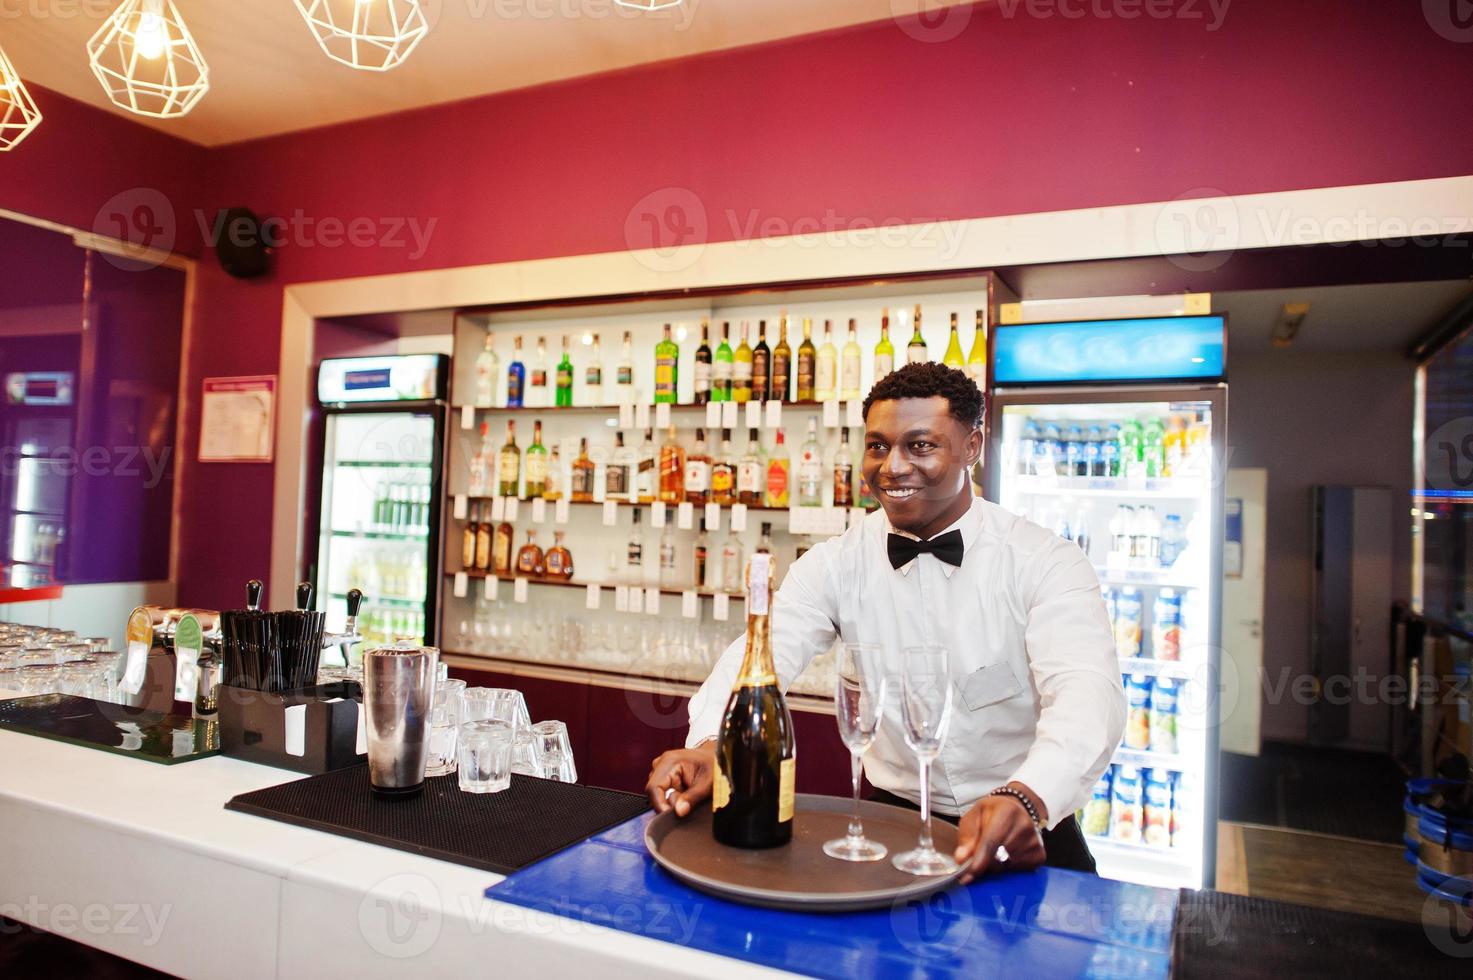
(1036, 687)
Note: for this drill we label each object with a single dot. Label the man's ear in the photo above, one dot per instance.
(974, 446)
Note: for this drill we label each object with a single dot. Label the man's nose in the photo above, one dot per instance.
(895, 463)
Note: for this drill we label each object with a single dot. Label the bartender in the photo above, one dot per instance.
(1038, 706)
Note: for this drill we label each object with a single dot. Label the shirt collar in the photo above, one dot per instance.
(968, 524)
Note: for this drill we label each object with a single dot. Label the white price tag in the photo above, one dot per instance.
(490, 586)
(513, 504)
(626, 416)
(856, 414)
(498, 508)
(560, 512)
(662, 415)
(595, 596)
(657, 514)
(461, 583)
(621, 598)
(641, 416)
(857, 514)
(688, 606)
(467, 416)
(459, 508)
(713, 415)
(636, 600)
(721, 607)
(754, 415)
(830, 414)
(519, 590)
(738, 517)
(713, 517)
(728, 415)
(611, 513)
(652, 601)
(539, 510)
(774, 414)
(685, 515)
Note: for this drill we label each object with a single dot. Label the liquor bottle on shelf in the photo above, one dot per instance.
(509, 467)
(564, 394)
(884, 350)
(501, 549)
(624, 374)
(810, 469)
(721, 367)
(554, 488)
(844, 473)
(537, 384)
(752, 799)
(616, 473)
(701, 383)
(672, 469)
(698, 472)
(646, 473)
(516, 377)
(480, 477)
(731, 563)
(764, 540)
(977, 359)
(558, 560)
(529, 558)
(669, 557)
(866, 495)
(916, 351)
(593, 376)
(782, 363)
(381, 499)
(806, 355)
(580, 482)
(953, 356)
(484, 542)
(702, 556)
(634, 553)
(761, 366)
(849, 366)
(468, 538)
(826, 369)
(778, 471)
(751, 474)
(488, 366)
(741, 370)
(536, 463)
(723, 473)
(667, 369)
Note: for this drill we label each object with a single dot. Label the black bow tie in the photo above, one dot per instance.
(947, 547)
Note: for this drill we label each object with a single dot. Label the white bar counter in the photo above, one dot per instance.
(143, 860)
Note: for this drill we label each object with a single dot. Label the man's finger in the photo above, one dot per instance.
(966, 839)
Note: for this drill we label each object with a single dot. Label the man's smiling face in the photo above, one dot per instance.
(917, 457)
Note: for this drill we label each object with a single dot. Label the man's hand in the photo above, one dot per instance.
(994, 821)
(688, 772)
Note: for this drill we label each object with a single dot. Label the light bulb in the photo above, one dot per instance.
(149, 36)
(588, 338)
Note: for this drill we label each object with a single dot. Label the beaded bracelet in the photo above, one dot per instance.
(1023, 799)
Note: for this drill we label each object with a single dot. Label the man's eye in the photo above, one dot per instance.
(876, 447)
(922, 447)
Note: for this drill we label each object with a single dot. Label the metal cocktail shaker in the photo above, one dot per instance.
(398, 689)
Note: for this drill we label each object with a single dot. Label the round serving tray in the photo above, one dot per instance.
(799, 875)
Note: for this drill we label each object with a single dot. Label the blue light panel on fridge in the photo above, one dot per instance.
(1162, 348)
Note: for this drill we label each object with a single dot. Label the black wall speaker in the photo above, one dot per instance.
(240, 243)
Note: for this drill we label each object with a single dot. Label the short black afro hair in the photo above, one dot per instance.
(929, 379)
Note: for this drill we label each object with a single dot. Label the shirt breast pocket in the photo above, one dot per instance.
(989, 685)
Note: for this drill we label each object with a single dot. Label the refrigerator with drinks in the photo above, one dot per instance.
(383, 443)
(1110, 433)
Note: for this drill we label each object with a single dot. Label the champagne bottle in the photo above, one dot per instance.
(826, 370)
(741, 370)
(977, 359)
(782, 363)
(536, 463)
(849, 371)
(953, 356)
(884, 350)
(806, 357)
(916, 351)
(756, 755)
(721, 368)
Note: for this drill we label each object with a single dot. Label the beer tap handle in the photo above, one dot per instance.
(355, 599)
(253, 595)
(304, 595)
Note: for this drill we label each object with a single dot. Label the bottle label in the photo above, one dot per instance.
(703, 376)
(697, 476)
(777, 484)
(594, 376)
(582, 480)
(749, 477)
(850, 379)
(805, 370)
(565, 377)
(721, 480)
(787, 772)
(759, 582)
(665, 376)
(720, 791)
(536, 468)
(514, 389)
(625, 375)
(884, 364)
(616, 480)
(742, 372)
(721, 371)
(539, 378)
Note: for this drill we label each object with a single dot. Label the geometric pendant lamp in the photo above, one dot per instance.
(147, 60)
(374, 35)
(18, 112)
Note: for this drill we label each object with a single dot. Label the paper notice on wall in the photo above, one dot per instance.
(238, 419)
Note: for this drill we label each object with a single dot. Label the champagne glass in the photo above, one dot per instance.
(859, 697)
(925, 705)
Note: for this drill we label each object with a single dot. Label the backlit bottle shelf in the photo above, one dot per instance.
(1149, 759)
(1164, 488)
(602, 409)
(417, 535)
(533, 580)
(1168, 577)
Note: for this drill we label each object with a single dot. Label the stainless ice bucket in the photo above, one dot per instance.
(398, 689)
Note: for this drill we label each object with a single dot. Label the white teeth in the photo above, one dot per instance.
(900, 494)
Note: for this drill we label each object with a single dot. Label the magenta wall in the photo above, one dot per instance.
(1015, 115)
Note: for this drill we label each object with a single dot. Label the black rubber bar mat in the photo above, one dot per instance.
(500, 832)
(1221, 935)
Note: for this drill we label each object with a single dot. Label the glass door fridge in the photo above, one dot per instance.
(37, 420)
(1111, 434)
(379, 519)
